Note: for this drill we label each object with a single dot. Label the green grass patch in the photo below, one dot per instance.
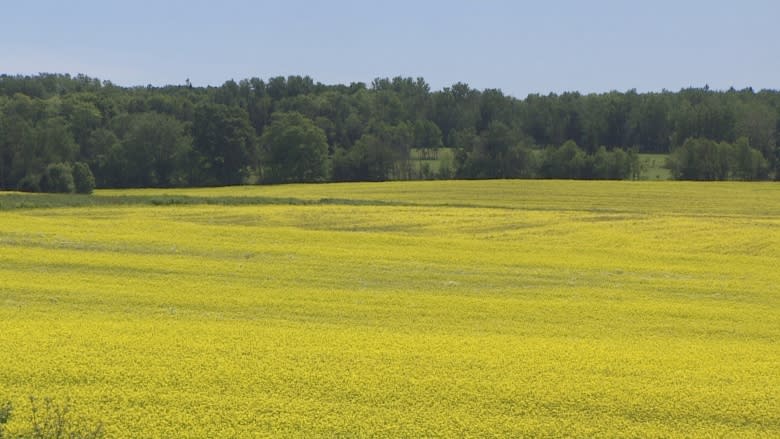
(653, 167)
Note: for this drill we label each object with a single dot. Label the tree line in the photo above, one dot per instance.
(66, 133)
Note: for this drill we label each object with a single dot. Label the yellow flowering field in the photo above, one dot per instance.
(414, 309)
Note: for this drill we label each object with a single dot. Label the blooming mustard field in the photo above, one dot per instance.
(415, 309)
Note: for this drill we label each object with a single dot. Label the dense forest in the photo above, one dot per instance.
(60, 133)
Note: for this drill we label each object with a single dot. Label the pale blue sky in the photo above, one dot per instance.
(520, 47)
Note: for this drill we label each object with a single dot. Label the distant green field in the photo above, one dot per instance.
(442, 157)
(653, 167)
(504, 308)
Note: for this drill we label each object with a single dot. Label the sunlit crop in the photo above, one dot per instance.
(457, 309)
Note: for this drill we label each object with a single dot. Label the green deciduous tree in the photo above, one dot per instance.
(565, 162)
(427, 138)
(83, 180)
(58, 177)
(225, 144)
(370, 159)
(749, 163)
(154, 151)
(701, 159)
(294, 150)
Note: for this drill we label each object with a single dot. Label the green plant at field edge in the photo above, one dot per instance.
(48, 420)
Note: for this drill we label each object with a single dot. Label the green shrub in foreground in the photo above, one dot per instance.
(47, 420)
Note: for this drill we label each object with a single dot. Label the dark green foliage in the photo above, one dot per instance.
(427, 138)
(183, 135)
(30, 183)
(705, 159)
(612, 165)
(154, 151)
(6, 410)
(370, 159)
(748, 162)
(566, 162)
(775, 164)
(295, 150)
(569, 161)
(499, 153)
(225, 145)
(83, 180)
(58, 178)
(701, 159)
(103, 153)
